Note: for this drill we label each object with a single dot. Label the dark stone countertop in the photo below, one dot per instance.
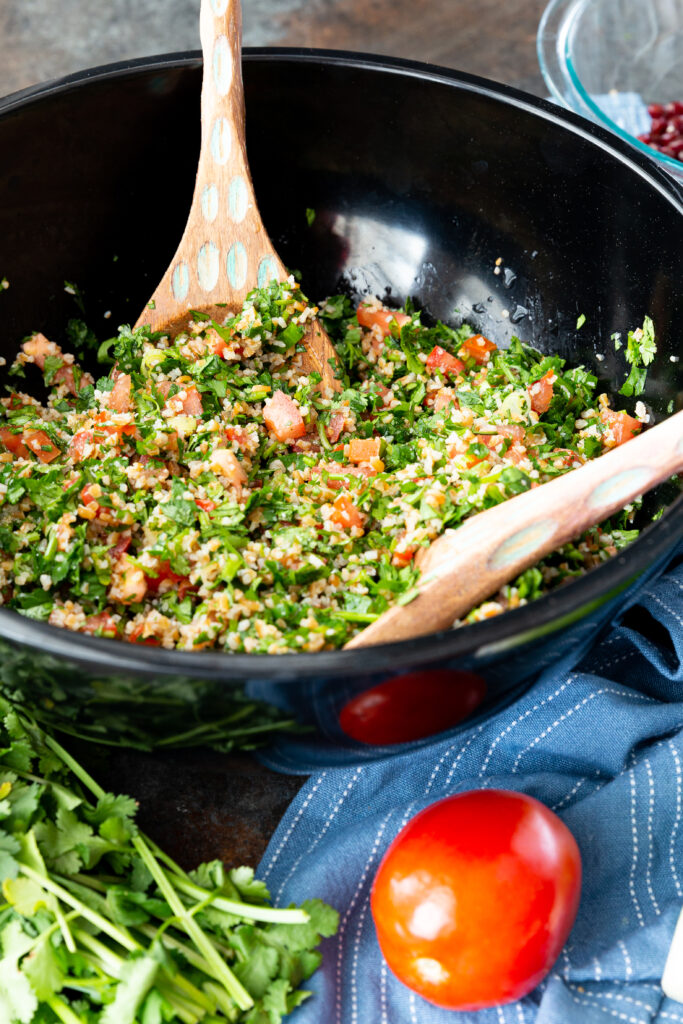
(198, 804)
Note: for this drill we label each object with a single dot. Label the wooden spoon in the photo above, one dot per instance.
(225, 250)
(463, 567)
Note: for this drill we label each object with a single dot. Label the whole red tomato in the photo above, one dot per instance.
(412, 706)
(475, 898)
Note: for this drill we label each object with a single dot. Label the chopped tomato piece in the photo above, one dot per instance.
(541, 392)
(41, 445)
(345, 513)
(620, 427)
(120, 548)
(129, 584)
(239, 435)
(440, 359)
(516, 451)
(14, 443)
(335, 426)
(36, 441)
(403, 558)
(337, 469)
(478, 347)
(164, 574)
(39, 347)
(224, 462)
(565, 457)
(100, 625)
(364, 449)
(119, 396)
(88, 498)
(283, 417)
(444, 398)
(385, 393)
(382, 318)
(135, 637)
(186, 400)
(512, 430)
(217, 345)
(205, 504)
(192, 405)
(80, 442)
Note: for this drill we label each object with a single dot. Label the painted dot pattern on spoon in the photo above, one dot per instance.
(237, 265)
(222, 66)
(180, 281)
(221, 140)
(267, 271)
(522, 544)
(210, 203)
(623, 483)
(238, 199)
(208, 266)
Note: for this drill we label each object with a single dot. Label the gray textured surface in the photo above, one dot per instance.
(44, 39)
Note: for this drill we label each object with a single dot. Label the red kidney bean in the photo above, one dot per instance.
(666, 130)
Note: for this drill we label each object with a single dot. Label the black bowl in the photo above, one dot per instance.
(421, 179)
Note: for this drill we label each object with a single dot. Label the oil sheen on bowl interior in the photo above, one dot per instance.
(610, 59)
(421, 179)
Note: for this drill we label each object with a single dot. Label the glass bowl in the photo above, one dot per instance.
(610, 59)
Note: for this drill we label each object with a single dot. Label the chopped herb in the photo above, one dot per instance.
(641, 349)
(100, 924)
(196, 493)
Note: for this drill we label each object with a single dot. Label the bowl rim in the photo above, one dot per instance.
(543, 616)
(553, 41)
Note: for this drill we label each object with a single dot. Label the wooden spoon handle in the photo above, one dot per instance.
(225, 250)
(467, 565)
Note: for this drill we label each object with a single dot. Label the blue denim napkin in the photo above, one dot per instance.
(602, 745)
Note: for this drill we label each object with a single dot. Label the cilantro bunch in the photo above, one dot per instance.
(99, 926)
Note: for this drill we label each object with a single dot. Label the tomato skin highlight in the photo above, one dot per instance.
(440, 359)
(622, 427)
(474, 899)
(364, 449)
(283, 417)
(382, 318)
(541, 392)
(345, 514)
(412, 706)
(478, 347)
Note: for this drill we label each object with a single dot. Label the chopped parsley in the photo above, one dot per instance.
(198, 492)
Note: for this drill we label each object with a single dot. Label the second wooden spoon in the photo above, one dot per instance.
(225, 250)
(463, 567)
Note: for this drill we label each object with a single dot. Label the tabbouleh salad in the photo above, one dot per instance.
(204, 494)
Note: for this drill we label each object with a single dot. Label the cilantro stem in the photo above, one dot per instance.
(356, 616)
(111, 961)
(75, 767)
(171, 942)
(61, 1010)
(249, 911)
(201, 941)
(206, 728)
(324, 440)
(120, 936)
